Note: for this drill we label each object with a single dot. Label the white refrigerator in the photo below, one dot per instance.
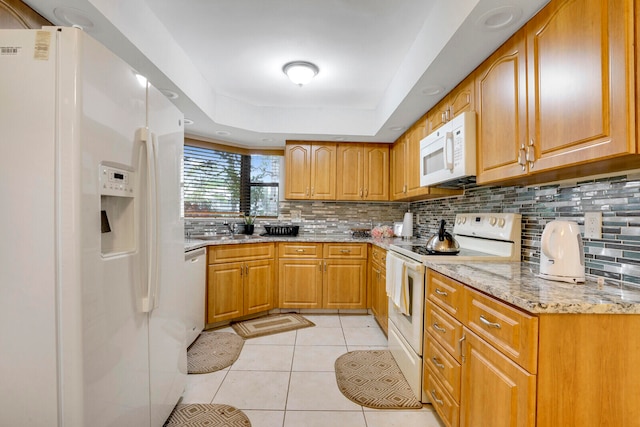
(92, 320)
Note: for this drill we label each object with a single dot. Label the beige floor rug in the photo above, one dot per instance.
(213, 351)
(271, 324)
(197, 415)
(373, 379)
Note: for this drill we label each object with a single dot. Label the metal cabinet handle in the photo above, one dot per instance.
(345, 251)
(299, 250)
(306, 193)
(439, 328)
(522, 157)
(437, 362)
(361, 192)
(325, 266)
(435, 398)
(366, 193)
(461, 341)
(531, 154)
(320, 265)
(246, 267)
(488, 323)
(443, 293)
(313, 191)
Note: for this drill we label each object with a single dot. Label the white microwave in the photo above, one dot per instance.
(449, 153)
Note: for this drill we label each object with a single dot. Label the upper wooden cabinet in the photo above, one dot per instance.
(459, 100)
(501, 108)
(576, 59)
(363, 172)
(310, 171)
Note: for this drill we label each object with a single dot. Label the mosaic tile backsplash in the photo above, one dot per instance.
(615, 256)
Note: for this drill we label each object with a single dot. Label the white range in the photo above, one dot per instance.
(482, 237)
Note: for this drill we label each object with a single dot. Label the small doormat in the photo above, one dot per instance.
(213, 351)
(197, 415)
(373, 379)
(272, 324)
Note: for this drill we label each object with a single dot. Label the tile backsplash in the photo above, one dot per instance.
(615, 256)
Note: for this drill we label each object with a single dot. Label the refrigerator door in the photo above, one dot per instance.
(104, 332)
(167, 321)
(28, 355)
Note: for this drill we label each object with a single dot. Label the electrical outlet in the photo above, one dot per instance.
(593, 225)
(418, 218)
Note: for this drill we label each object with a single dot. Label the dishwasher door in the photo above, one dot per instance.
(194, 288)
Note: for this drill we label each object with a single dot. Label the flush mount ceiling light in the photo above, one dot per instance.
(73, 17)
(300, 72)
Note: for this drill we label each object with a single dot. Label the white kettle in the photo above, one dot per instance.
(562, 252)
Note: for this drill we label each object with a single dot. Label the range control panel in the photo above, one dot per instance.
(116, 181)
(498, 226)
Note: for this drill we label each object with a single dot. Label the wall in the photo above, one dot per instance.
(615, 256)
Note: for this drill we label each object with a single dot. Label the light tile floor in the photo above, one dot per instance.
(288, 379)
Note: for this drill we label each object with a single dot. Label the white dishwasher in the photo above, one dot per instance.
(194, 288)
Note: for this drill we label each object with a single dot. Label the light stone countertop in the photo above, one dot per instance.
(517, 283)
(513, 282)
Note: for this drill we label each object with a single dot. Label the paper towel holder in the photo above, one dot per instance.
(407, 226)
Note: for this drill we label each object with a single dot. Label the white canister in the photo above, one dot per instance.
(407, 225)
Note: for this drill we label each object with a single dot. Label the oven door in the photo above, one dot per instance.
(409, 326)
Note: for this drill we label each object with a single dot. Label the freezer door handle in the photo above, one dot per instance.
(150, 301)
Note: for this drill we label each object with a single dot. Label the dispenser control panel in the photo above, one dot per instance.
(116, 181)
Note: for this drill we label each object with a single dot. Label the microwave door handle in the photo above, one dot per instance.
(448, 151)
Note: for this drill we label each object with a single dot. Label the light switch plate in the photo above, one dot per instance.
(593, 225)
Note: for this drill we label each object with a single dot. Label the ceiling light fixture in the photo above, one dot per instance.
(300, 72)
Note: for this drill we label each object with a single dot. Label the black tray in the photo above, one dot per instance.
(281, 230)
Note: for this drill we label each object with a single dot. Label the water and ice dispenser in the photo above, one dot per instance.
(117, 210)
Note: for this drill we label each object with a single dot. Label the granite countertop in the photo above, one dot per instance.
(517, 283)
(195, 243)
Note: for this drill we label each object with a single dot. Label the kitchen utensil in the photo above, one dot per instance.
(562, 252)
(442, 243)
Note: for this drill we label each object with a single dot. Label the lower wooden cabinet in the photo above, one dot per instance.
(239, 283)
(495, 391)
(336, 280)
(378, 287)
(300, 283)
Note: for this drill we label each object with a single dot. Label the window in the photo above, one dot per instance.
(218, 182)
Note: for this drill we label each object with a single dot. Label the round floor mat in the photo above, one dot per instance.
(213, 351)
(373, 379)
(198, 415)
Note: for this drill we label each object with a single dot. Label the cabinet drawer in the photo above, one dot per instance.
(299, 250)
(342, 250)
(443, 403)
(511, 331)
(379, 256)
(246, 252)
(443, 366)
(445, 292)
(443, 328)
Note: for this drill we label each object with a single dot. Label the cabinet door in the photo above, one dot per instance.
(379, 304)
(462, 97)
(350, 172)
(579, 70)
(502, 112)
(344, 284)
(376, 172)
(258, 286)
(412, 162)
(300, 283)
(495, 391)
(323, 171)
(224, 291)
(398, 172)
(297, 170)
